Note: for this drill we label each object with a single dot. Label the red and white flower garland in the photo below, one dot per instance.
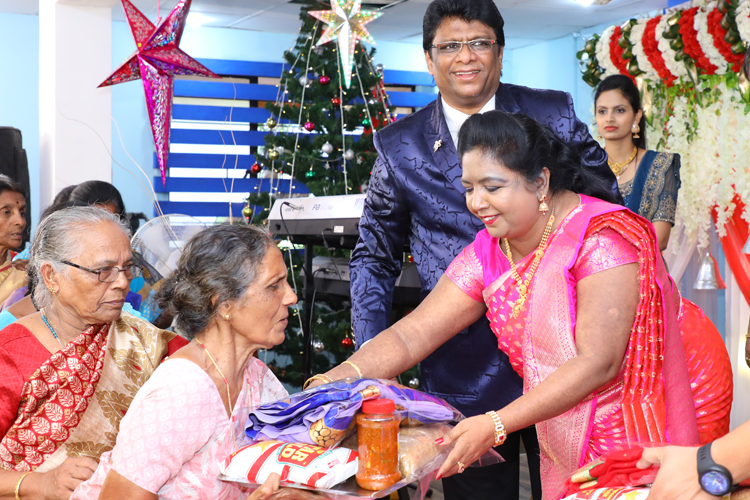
(636, 38)
(705, 39)
(690, 41)
(651, 48)
(603, 54)
(677, 68)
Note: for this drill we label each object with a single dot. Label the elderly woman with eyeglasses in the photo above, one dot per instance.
(71, 370)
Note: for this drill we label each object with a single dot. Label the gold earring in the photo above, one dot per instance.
(51, 290)
(636, 128)
(543, 207)
(226, 317)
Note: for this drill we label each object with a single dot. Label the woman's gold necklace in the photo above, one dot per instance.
(229, 396)
(523, 288)
(619, 168)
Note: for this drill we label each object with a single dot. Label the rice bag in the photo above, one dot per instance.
(300, 463)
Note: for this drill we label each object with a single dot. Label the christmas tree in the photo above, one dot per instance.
(322, 127)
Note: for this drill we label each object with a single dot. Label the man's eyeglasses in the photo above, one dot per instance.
(109, 274)
(478, 46)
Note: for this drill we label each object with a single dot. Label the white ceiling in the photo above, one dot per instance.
(526, 21)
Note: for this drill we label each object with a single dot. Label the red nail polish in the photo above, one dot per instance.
(439, 440)
(438, 477)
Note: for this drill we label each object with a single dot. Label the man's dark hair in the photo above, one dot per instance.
(484, 11)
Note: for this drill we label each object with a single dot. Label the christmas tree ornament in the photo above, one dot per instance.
(327, 148)
(346, 25)
(366, 122)
(327, 166)
(280, 149)
(271, 123)
(324, 80)
(247, 212)
(156, 61)
(309, 126)
(349, 154)
(318, 346)
(347, 343)
(256, 168)
(360, 160)
(414, 383)
(318, 50)
(273, 155)
(379, 69)
(304, 81)
(335, 101)
(310, 174)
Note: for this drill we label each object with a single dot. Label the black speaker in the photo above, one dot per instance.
(14, 164)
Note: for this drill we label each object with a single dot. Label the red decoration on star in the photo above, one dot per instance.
(157, 59)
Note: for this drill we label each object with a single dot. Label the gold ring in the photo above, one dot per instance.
(461, 467)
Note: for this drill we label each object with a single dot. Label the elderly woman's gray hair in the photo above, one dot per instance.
(60, 237)
(217, 265)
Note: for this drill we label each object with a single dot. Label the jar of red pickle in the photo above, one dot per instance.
(377, 432)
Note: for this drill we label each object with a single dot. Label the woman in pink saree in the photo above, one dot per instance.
(578, 297)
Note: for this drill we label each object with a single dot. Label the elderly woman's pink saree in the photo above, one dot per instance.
(650, 400)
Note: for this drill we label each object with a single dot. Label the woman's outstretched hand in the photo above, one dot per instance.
(473, 437)
(678, 473)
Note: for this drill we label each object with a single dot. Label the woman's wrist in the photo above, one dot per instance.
(25, 483)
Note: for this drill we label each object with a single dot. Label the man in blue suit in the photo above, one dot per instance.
(415, 191)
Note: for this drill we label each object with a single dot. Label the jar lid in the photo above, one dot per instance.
(380, 405)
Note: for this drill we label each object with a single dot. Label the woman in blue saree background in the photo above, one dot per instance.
(648, 180)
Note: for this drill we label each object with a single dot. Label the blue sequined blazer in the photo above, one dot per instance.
(415, 192)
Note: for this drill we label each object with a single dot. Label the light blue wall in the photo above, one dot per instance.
(19, 88)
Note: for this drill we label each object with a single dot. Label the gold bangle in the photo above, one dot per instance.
(500, 432)
(18, 484)
(324, 378)
(359, 372)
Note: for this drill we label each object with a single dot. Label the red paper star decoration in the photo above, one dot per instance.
(156, 61)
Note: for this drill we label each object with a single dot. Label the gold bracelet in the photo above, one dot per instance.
(359, 372)
(500, 432)
(18, 484)
(324, 378)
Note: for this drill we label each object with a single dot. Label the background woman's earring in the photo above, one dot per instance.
(636, 128)
(51, 290)
(226, 317)
(543, 207)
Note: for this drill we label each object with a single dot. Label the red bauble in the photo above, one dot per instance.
(367, 131)
(256, 168)
(325, 80)
(336, 101)
(347, 343)
(309, 126)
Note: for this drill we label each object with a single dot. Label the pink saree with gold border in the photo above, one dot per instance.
(650, 400)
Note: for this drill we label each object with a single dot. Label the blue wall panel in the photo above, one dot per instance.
(217, 89)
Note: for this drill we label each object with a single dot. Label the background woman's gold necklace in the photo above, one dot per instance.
(523, 288)
(618, 168)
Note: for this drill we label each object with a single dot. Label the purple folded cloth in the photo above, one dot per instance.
(323, 415)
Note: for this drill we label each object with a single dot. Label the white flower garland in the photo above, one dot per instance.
(636, 39)
(743, 20)
(677, 68)
(706, 41)
(602, 54)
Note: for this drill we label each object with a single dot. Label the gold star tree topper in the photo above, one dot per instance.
(346, 24)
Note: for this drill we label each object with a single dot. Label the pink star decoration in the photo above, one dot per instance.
(346, 24)
(156, 61)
